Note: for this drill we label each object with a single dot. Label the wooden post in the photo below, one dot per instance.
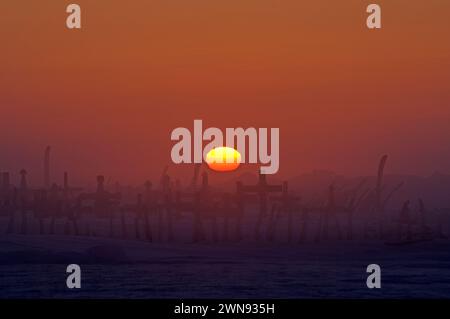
(262, 189)
(23, 200)
(104, 203)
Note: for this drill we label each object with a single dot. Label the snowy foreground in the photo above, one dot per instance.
(34, 266)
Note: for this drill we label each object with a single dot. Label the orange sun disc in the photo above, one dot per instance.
(223, 159)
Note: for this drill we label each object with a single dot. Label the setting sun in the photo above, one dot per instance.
(223, 159)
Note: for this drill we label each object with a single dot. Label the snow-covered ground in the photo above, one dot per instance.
(34, 266)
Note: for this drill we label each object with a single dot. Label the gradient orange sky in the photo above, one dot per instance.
(107, 97)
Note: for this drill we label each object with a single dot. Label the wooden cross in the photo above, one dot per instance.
(140, 211)
(8, 201)
(23, 200)
(47, 204)
(167, 207)
(286, 203)
(262, 189)
(104, 203)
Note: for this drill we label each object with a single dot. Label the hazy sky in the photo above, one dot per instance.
(107, 97)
